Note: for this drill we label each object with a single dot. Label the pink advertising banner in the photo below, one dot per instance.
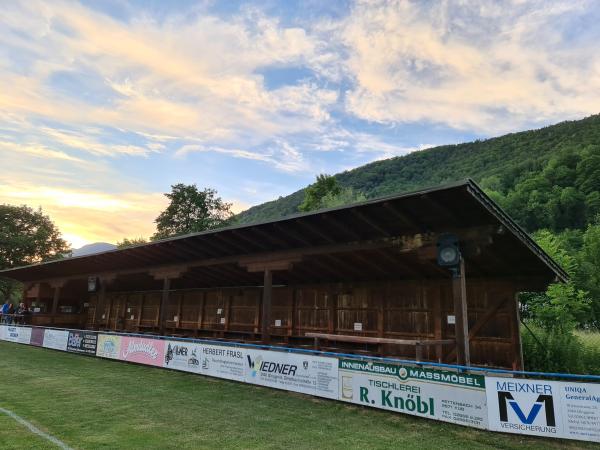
(143, 351)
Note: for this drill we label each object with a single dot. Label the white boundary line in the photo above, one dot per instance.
(35, 430)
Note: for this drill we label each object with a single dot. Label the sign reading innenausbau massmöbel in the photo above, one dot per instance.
(435, 394)
(544, 408)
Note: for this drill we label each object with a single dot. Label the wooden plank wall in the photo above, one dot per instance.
(410, 310)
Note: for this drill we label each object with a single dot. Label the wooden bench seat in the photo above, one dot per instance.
(417, 343)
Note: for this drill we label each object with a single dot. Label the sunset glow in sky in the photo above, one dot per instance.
(105, 104)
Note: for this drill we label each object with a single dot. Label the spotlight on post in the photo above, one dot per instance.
(92, 284)
(448, 253)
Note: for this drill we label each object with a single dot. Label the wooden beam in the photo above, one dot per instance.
(266, 305)
(342, 228)
(170, 272)
(270, 237)
(164, 303)
(252, 242)
(461, 327)
(369, 222)
(315, 230)
(273, 265)
(404, 217)
(292, 234)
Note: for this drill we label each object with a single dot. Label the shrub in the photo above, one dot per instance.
(559, 351)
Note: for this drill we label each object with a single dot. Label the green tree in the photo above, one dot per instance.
(563, 305)
(589, 273)
(27, 236)
(325, 185)
(191, 210)
(345, 196)
(126, 242)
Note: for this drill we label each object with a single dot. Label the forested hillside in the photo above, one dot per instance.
(546, 178)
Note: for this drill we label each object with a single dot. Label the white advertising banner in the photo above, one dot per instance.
(544, 408)
(180, 355)
(223, 362)
(3, 332)
(56, 339)
(109, 346)
(434, 394)
(21, 335)
(308, 374)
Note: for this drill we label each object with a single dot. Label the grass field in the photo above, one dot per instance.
(92, 403)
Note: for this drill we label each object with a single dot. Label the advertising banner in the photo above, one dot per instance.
(544, 408)
(180, 355)
(3, 332)
(308, 374)
(434, 394)
(108, 346)
(56, 339)
(150, 352)
(37, 337)
(20, 335)
(82, 342)
(223, 362)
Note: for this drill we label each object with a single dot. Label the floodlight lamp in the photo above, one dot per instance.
(448, 254)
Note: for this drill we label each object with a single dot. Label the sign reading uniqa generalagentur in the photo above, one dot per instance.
(434, 394)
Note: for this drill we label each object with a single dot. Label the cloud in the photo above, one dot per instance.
(90, 216)
(485, 66)
(182, 78)
(105, 111)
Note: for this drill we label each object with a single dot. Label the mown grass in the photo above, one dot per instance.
(91, 403)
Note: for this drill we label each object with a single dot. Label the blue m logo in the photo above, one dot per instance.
(527, 419)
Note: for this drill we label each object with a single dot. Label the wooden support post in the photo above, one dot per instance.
(266, 305)
(437, 322)
(461, 327)
(56, 285)
(179, 305)
(516, 334)
(55, 301)
(201, 314)
(332, 312)
(140, 312)
(100, 304)
(418, 352)
(164, 303)
(292, 327)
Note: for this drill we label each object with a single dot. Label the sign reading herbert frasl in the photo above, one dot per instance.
(544, 408)
(434, 394)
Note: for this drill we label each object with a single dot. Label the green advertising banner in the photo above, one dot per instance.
(435, 394)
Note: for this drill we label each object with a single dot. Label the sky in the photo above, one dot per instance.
(105, 104)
